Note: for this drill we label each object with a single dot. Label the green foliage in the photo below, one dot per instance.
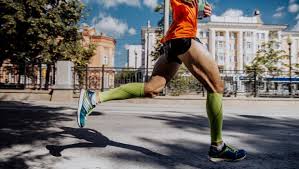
(41, 31)
(268, 59)
(179, 83)
(158, 47)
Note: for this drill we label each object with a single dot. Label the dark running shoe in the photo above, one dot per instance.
(87, 103)
(226, 154)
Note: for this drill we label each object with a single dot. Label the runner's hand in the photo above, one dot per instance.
(207, 10)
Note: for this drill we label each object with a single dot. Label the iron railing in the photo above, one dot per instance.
(30, 76)
(237, 82)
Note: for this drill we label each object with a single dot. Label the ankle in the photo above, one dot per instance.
(217, 146)
(218, 143)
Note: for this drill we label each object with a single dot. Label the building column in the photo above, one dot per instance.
(267, 36)
(212, 38)
(227, 51)
(279, 38)
(254, 44)
(240, 51)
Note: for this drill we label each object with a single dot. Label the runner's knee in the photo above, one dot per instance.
(219, 87)
(154, 87)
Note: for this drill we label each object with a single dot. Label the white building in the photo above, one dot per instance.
(149, 37)
(134, 59)
(234, 41)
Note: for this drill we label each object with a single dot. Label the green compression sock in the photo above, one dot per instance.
(127, 91)
(215, 114)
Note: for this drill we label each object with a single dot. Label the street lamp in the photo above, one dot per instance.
(135, 52)
(289, 40)
(166, 16)
(147, 50)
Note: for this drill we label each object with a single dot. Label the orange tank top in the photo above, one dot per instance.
(184, 23)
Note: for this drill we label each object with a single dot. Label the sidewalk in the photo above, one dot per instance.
(152, 135)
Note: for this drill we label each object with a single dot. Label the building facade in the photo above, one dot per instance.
(104, 56)
(105, 47)
(234, 41)
(134, 58)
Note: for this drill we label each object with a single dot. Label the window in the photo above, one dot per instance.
(106, 60)
(201, 34)
(249, 45)
(263, 36)
(220, 44)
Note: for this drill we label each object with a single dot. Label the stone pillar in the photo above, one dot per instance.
(212, 38)
(227, 64)
(64, 83)
(254, 44)
(240, 51)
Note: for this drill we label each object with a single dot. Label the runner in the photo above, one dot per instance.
(180, 46)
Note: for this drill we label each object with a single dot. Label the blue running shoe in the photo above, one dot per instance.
(87, 103)
(226, 154)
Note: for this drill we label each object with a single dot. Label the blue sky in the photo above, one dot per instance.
(123, 19)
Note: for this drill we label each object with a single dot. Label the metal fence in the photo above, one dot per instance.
(31, 76)
(237, 82)
(105, 78)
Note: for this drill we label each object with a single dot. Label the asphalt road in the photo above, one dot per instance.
(140, 135)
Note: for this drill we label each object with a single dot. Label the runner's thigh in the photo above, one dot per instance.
(164, 70)
(200, 63)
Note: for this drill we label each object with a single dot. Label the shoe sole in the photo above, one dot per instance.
(82, 92)
(216, 160)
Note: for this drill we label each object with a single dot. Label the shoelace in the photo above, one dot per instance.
(231, 148)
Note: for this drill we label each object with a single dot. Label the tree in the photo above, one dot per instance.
(268, 60)
(41, 31)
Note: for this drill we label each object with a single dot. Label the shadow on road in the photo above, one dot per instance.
(274, 140)
(94, 139)
(26, 124)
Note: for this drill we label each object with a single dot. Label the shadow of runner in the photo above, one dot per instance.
(96, 140)
(25, 124)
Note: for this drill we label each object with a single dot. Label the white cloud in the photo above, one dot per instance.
(279, 12)
(132, 31)
(111, 26)
(293, 8)
(233, 12)
(151, 3)
(297, 17)
(114, 3)
(296, 27)
(292, 1)
(126, 46)
(278, 15)
(280, 8)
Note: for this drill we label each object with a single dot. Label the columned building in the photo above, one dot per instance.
(234, 41)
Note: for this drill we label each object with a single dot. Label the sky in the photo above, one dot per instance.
(123, 19)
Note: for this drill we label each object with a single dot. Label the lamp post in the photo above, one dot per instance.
(147, 50)
(166, 16)
(135, 52)
(290, 64)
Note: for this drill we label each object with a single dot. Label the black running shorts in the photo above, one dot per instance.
(175, 47)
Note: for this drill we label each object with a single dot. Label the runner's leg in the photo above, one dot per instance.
(162, 74)
(203, 67)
